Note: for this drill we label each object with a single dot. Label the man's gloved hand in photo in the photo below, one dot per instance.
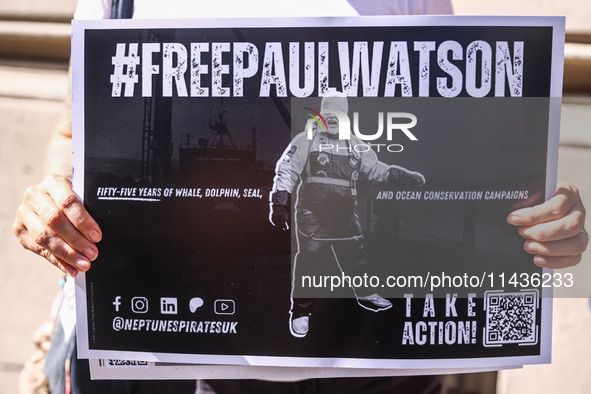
(403, 178)
(280, 215)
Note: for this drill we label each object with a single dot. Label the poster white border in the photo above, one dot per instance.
(425, 365)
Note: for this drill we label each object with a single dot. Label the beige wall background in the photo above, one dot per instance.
(32, 89)
(577, 12)
(38, 9)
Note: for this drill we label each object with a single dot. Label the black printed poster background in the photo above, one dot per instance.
(189, 263)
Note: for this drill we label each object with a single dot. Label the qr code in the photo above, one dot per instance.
(511, 318)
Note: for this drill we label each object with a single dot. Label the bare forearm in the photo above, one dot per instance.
(58, 159)
(52, 221)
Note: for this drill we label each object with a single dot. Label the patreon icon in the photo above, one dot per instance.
(195, 303)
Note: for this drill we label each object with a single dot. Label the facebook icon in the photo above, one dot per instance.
(117, 303)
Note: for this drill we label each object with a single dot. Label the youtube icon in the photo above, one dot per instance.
(224, 307)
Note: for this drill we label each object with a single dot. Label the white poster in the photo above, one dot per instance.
(316, 192)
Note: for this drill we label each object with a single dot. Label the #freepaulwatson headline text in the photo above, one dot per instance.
(310, 69)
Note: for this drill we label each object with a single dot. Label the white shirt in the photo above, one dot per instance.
(154, 9)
